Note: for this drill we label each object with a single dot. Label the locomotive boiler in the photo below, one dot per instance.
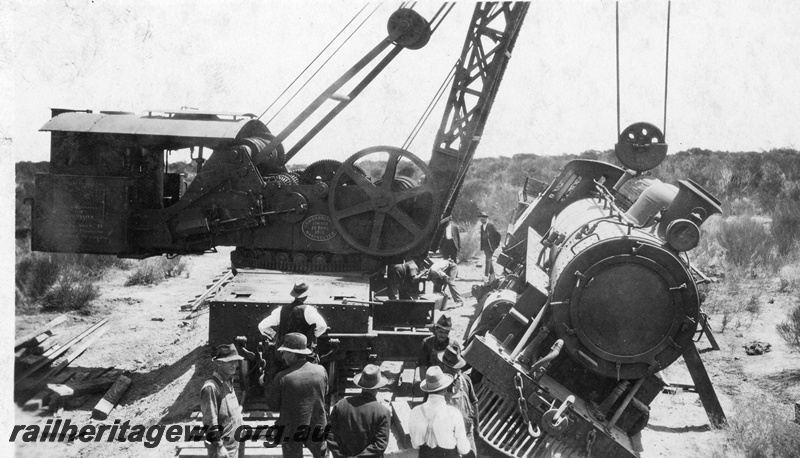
(601, 296)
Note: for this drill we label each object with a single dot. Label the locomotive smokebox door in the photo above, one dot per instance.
(625, 304)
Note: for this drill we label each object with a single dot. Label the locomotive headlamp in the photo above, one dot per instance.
(683, 235)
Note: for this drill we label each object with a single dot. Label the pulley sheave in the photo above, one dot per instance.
(408, 29)
(641, 147)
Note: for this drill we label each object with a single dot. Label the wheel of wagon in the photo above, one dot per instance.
(390, 213)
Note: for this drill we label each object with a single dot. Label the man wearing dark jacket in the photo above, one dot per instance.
(490, 240)
(432, 345)
(360, 424)
(298, 393)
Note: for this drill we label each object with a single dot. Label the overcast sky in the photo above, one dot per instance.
(734, 70)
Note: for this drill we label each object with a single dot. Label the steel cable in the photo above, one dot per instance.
(323, 64)
(429, 109)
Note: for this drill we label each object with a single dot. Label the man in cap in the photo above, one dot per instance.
(434, 344)
(360, 424)
(437, 429)
(490, 240)
(294, 317)
(298, 393)
(461, 393)
(219, 406)
(443, 273)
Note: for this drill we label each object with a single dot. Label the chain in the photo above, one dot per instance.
(522, 405)
(590, 438)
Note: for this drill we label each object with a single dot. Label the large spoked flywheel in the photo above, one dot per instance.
(389, 210)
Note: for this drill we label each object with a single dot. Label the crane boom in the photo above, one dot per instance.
(493, 31)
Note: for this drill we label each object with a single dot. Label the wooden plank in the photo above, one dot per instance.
(61, 350)
(47, 327)
(51, 350)
(75, 401)
(42, 398)
(58, 367)
(43, 347)
(703, 385)
(401, 415)
(57, 403)
(72, 389)
(109, 400)
(31, 360)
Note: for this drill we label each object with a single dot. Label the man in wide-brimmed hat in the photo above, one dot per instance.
(219, 405)
(437, 429)
(434, 344)
(295, 316)
(360, 424)
(461, 394)
(298, 393)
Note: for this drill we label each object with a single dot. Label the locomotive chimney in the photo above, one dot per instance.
(692, 203)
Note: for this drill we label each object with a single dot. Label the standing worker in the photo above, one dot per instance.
(437, 429)
(461, 393)
(222, 414)
(490, 240)
(298, 393)
(360, 424)
(451, 242)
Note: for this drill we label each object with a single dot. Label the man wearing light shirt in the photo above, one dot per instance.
(437, 429)
(451, 242)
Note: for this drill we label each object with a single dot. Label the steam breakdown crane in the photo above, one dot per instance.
(108, 191)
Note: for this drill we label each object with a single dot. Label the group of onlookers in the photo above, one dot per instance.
(442, 426)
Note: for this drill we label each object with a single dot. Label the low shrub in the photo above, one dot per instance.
(785, 226)
(470, 242)
(789, 274)
(48, 278)
(746, 242)
(70, 293)
(752, 305)
(35, 274)
(155, 270)
(789, 330)
(94, 265)
(759, 428)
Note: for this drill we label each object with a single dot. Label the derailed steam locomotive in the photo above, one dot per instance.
(602, 297)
